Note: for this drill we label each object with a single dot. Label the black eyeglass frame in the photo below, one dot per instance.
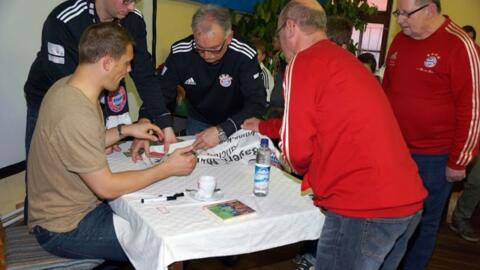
(213, 51)
(397, 13)
(277, 32)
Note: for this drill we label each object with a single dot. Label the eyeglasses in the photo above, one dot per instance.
(128, 2)
(213, 51)
(277, 32)
(398, 13)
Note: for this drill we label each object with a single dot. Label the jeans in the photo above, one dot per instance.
(94, 238)
(467, 203)
(363, 243)
(32, 116)
(421, 246)
(195, 126)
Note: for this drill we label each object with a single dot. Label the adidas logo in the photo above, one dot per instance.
(190, 81)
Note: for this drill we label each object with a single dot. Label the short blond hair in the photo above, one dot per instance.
(103, 39)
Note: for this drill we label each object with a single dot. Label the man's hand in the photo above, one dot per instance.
(169, 137)
(454, 175)
(181, 162)
(251, 124)
(206, 139)
(144, 143)
(136, 148)
(143, 130)
(113, 148)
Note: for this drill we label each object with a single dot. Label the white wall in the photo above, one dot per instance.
(20, 31)
(21, 23)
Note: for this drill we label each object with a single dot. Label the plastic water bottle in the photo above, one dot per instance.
(262, 170)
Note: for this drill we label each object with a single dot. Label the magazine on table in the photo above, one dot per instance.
(231, 210)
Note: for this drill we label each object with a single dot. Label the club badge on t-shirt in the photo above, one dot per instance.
(225, 80)
(431, 60)
(392, 60)
(116, 101)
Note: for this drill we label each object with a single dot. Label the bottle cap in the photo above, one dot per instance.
(264, 142)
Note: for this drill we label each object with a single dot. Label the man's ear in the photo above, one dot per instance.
(290, 27)
(432, 10)
(107, 63)
(229, 38)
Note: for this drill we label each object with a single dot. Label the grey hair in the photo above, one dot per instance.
(424, 2)
(213, 13)
(304, 16)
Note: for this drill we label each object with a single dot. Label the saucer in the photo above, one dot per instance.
(215, 196)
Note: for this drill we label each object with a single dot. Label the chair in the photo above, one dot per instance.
(22, 252)
(452, 203)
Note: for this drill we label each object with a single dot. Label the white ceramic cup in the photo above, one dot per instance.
(206, 186)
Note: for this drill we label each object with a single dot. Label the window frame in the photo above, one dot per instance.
(382, 17)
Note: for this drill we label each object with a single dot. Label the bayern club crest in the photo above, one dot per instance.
(431, 60)
(116, 101)
(225, 80)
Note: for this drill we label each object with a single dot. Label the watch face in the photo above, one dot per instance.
(222, 136)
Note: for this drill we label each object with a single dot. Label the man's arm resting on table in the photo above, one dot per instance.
(208, 138)
(108, 185)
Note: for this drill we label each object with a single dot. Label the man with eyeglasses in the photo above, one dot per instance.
(432, 80)
(221, 77)
(58, 57)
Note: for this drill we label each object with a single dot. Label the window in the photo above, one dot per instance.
(374, 38)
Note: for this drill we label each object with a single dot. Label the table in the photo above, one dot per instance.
(157, 235)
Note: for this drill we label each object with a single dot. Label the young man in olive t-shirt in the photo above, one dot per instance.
(69, 178)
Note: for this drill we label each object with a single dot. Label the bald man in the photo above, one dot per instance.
(340, 133)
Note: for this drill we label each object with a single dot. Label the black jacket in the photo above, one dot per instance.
(225, 93)
(58, 55)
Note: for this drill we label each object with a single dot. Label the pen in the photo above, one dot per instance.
(157, 199)
(161, 198)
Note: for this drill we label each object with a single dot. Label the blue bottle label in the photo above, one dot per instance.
(262, 175)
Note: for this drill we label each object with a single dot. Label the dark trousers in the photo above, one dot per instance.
(421, 246)
(94, 238)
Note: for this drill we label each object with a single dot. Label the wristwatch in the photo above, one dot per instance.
(222, 136)
(119, 129)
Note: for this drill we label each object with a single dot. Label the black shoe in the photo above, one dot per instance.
(304, 262)
(463, 228)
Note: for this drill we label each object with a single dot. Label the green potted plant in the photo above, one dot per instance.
(262, 22)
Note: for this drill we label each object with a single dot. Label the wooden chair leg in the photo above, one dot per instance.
(452, 203)
(176, 266)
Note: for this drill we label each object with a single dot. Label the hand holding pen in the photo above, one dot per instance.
(182, 161)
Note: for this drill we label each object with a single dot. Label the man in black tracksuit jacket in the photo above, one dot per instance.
(58, 57)
(221, 77)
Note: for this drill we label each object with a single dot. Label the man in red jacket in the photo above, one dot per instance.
(432, 80)
(340, 133)
(339, 30)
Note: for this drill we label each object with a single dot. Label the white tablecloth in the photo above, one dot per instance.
(156, 235)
